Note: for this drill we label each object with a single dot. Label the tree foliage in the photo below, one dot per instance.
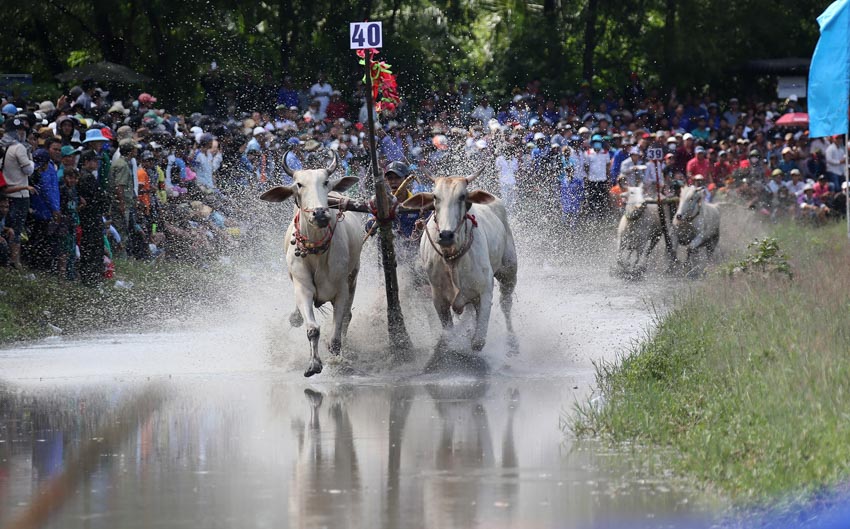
(497, 44)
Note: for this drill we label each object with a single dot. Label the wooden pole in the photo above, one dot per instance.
(668, 242)
(399, 339)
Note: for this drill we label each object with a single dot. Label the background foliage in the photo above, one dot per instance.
(496, 44)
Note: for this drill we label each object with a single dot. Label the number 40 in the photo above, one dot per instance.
(366, 35)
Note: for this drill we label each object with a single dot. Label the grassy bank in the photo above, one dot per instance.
(34, 305)
(748, 378)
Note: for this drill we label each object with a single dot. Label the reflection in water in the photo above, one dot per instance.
(248, 452)
(326, 479)
(464, 446)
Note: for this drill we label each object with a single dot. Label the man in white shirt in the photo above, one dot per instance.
(796, 184)
(836, 156)
(627, 168)
(597, 162)
(483, 112)
(322, 91)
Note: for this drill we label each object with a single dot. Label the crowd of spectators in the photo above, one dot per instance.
(89, 177)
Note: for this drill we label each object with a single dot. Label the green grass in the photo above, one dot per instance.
(161, 290)
(748, 378)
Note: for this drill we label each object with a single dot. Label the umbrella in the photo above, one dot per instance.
(793, 119)
(105, 72)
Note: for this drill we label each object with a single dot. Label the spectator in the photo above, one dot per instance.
(17, 167)
(44, 221)
(121, 188)
(809, 207)
(684, 153)
(483, 112)
(722, 168)
(205, 161)
(321, 91)
(822, 187)
(93, 205)
(627, 169)
(337, 108)
(287, 95)
(597, 161)
(816, 164)
(836, 155)
(697, 165)
(731, 115)
(788, 161)
(796, 184)
(69, 223)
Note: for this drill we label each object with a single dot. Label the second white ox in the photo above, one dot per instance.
(638, 233)
(467, 243)
(697, 223)
(324, 255)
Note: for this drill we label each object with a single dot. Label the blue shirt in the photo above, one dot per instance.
(616, 161)
(46, 201)
(288, 97)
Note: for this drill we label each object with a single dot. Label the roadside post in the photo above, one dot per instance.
(367, 36)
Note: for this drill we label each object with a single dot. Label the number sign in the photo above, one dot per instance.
(363, 35)
(655, 153)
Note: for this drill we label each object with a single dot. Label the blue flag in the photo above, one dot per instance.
(829, 73)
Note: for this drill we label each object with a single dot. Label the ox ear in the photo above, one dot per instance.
(343, 184)
(480, 197)
(420, 201)
(277, 194)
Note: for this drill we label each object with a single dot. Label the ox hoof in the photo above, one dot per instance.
(314, 368)
(477, 344)
(335, 346)
(295, 319)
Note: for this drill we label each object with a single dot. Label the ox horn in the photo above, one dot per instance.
(334, 163)
(286, 168)
(474, 175)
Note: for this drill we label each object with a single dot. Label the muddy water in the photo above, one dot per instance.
(207, 422)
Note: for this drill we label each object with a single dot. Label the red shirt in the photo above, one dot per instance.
(821, 190)
(336, 110)
(721, 171)
(696, 166)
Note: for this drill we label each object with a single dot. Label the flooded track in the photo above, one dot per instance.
(207, 422)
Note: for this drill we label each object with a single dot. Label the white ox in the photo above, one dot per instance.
(324, 255)
(467, 243)
(697, 223)
(638, 232)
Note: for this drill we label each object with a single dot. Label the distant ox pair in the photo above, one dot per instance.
(696, 225)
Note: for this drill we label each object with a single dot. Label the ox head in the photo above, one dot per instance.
(635, 204)
(310, 190)
(690, 202)
(450, 200)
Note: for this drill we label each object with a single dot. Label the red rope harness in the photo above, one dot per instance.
(450, 258)
(304, 246)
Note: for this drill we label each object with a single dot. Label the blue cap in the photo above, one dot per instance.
(11, 109)
(94, 135)
(596, 137)
(293, 141)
